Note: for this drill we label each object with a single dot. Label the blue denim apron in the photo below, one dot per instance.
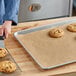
(9, 10)
(74, 2)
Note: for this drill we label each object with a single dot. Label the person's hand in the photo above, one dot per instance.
(6, 29)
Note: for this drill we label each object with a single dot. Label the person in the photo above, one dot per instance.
(8, 15)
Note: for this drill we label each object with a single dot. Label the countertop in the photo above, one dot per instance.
(24, 60)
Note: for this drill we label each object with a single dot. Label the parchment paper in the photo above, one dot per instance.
(50, 52)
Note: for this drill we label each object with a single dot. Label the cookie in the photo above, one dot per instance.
(3, 52)
(56, 33)
(72, 27)
(7, 66)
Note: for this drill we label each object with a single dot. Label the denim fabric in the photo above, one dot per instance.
(9, 10)
(74, 2)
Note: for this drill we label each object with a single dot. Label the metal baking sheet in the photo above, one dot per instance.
(27, 31)
(9, 57)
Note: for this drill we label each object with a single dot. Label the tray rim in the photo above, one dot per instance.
(34, 28)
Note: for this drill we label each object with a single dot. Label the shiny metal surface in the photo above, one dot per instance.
(2, 44)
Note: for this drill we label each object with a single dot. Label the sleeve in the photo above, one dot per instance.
(2, 11)
(11, 11)
(74, 3)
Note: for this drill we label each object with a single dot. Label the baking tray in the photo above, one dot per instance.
(9, 57)
(40, 28)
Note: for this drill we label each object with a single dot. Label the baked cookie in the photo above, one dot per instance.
(7, 66)
(56, 33)
(72, 27)
(3, 52)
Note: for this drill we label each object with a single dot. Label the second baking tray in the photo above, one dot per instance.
(10, 58)
(49, 52)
